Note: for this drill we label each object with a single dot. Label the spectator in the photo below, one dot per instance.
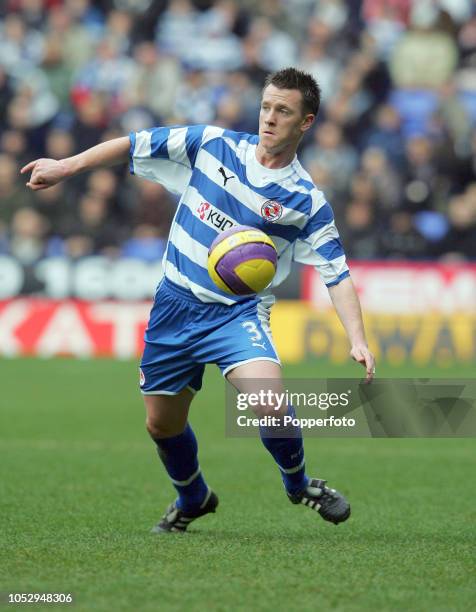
(276, 48)
(27, 238)
(460, 241)
(6, 91)
(55, 208)
(215, 46)
(118, 30)
(195, 100)
(59, 143)
(155, 80)
(349, 106)
(322, 66)
(34, 104)
(90, 121)
(386, 25)
(145, 244)
(333, 154)
(32, 13)
(153, 206)
(420, 174)
(93, 231)
(57, 71)
(77, 42)
(13, 195)
(88, 15)
(240, 87)
(467, 38)
(386, 135)
(400, 239)
(395, 144)
(109, 71)
(386, 182)
(19, 46)
(359, 236)
(177, 23)
(425, 56)
(14, 144)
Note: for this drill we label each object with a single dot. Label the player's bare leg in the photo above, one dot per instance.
(167, 425)
(167, 414)
(285, 443)
(259, 375)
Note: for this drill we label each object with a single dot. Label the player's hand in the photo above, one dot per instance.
(364, 356)
(44, 173)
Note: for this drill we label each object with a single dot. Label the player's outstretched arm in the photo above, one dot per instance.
(47, 172)
(347, 305)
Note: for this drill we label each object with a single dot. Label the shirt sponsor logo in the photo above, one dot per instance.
(271, 210)
(202, 210)
(214, 218)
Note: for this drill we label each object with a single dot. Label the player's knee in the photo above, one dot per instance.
(159, 429)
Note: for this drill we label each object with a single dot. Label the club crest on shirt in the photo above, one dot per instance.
(141, 377)
(271, 210)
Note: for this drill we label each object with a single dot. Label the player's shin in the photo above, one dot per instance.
(179, 454)
(286, 446)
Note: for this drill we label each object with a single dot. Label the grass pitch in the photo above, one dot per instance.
(80, 487)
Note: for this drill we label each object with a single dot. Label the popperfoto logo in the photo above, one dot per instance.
(213, 217)
(271, 210)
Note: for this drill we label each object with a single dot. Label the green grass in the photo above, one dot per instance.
(80, 486)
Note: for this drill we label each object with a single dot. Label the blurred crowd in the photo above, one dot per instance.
(394, 148)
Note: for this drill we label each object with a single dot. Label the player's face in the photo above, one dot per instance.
(281, 119)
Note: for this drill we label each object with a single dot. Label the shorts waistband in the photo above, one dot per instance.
(182, 293)
(176, 290)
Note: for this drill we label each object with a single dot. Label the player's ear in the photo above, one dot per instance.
(307, 121)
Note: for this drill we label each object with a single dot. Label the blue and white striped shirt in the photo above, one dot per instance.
(221, 184)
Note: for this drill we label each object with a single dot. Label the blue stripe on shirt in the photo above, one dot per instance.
(331, 250)
(204, 234)
(158, 142)
(195, 228)
(132, 140)
(194, 272)
(223, 153)
(231, 206)
(193, 141)
(306, 184)
(338, 279)
(239, 136)
(324, 216)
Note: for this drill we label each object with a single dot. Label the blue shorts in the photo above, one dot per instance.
(184, 334)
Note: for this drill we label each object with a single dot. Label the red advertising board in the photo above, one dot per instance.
(403, 288)
(45, 327)
(412, 311)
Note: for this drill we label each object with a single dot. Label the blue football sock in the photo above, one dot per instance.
(286, 446)
(179, 456)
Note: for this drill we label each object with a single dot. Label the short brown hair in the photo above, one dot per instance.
(292, 78)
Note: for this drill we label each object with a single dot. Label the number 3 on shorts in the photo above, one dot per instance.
(255, 334)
